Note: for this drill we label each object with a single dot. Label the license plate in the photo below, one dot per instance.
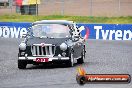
(42, 59)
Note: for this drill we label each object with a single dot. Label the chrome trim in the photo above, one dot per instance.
(37, 51)
(50, 58)
(42, 50)
(44, 45)
(50, 50)
(46, 50)
(77, 57)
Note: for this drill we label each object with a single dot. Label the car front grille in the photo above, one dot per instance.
(46, 50)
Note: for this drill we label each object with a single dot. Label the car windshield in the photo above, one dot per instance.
(50, 30)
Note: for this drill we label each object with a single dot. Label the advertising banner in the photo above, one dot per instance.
(108, 31)
(27, 2)
(19, 2)
(34, 2)
(94, 31)
(13, 30)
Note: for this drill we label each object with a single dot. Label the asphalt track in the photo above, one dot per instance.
(102, 57)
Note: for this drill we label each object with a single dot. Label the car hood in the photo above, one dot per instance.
(55, 41)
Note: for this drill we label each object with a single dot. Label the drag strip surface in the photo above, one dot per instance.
(102, 57)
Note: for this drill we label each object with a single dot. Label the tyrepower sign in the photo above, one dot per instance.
(108, 31)
(94, 31)
(13, 30)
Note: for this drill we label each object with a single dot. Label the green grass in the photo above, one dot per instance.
(81, 19)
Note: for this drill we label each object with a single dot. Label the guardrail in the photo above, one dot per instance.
(96, 31)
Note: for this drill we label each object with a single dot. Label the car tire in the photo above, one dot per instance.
(22, 64)
(81, 60)
(71, 61)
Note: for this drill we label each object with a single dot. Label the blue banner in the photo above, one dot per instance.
(108, 31)
(93, 31)
(13, 30)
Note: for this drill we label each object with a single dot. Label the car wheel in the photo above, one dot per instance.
(71, 61)
(81, 60)
(22, 64)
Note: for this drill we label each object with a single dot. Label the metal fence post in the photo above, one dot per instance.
(62, 7)
(36, 8)
(119, 6)
(91, 7)
(10, 5)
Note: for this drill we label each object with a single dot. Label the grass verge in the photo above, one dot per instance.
(80, 19)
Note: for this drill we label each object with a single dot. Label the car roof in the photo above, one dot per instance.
(53, 22)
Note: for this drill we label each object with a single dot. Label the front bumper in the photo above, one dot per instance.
(50, 59)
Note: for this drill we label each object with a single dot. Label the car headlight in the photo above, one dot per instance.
(22, 46)
(63, 46)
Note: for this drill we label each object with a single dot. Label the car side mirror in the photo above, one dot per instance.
(24, 35)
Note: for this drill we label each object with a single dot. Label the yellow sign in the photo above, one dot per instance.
(30, 2)
(25, 2)
(34, 2)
